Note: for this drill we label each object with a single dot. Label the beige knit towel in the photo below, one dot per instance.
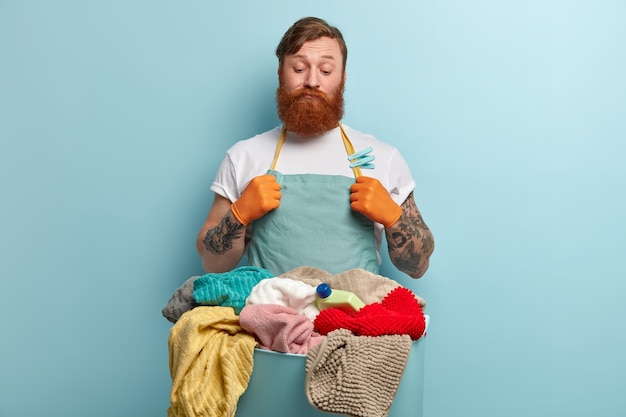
(211, 360)
(356, 375)
(369, 287)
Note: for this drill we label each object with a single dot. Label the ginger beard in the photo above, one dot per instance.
(309, 117)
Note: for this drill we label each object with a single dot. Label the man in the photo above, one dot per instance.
(296, 195)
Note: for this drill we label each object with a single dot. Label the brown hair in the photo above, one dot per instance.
(309, 29)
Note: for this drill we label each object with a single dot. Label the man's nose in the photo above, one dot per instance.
(312, 80)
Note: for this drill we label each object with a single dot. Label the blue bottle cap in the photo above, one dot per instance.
(324, 290)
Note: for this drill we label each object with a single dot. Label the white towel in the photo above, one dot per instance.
(286, 292)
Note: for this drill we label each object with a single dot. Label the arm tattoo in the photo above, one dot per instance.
(219, 240)
(410, 241)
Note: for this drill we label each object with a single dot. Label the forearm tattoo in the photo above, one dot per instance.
(219, 240)
(410, 241)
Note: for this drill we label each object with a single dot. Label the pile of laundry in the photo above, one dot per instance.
(220, 319)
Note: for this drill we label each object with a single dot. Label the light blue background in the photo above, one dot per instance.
(114, 116)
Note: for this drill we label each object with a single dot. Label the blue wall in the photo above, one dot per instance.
(114, 116)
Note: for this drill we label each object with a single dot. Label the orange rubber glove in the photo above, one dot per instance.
(370, 198)
(260, 196)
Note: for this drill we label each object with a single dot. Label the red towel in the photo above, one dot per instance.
(398, 313)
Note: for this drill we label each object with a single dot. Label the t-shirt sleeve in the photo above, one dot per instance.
(401, 182)
(225, 183)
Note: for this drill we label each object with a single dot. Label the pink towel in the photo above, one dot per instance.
(279, 328)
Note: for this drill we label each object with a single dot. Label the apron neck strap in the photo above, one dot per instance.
(346, 143)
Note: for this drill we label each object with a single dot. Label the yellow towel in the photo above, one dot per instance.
(211, 360)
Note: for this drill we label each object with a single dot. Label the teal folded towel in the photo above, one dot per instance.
(228, 289)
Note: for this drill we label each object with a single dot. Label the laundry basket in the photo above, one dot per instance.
(276, 387)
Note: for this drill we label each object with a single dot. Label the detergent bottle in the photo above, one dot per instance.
(344, 300)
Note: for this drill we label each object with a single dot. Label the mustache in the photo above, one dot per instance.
(308, 91)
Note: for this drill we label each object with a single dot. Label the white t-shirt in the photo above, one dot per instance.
(324, 155)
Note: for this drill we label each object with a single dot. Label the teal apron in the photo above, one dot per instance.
(314, 225)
